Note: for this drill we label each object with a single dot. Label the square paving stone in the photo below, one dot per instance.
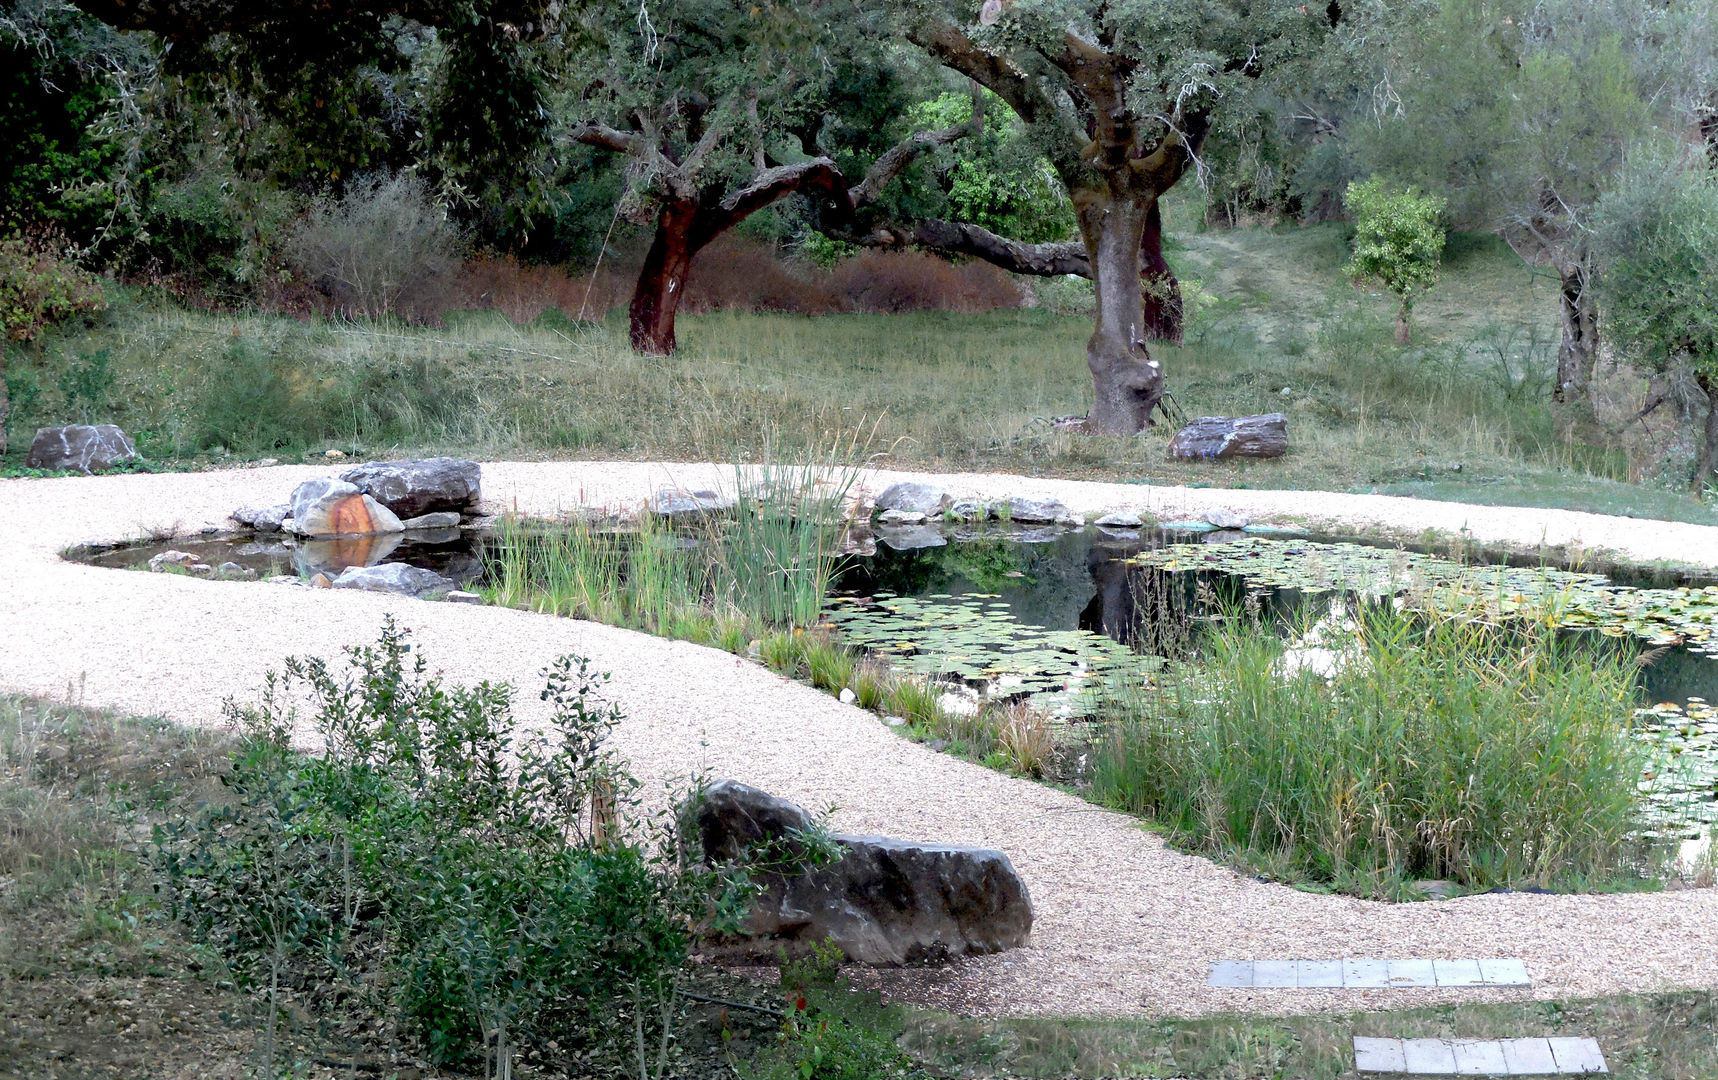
(1275, 973)
(1577, 1056)
(1365, 974)
(1457, 972)
(1501, 972)
(1412, 973)
(1529, 1057)
(1318, 973)
(1479, 1057)
(1231, 973)
(1378, 1055)
(1429, 1057)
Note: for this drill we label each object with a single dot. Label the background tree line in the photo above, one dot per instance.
(196, 140)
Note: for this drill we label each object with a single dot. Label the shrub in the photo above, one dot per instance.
(41, 286)
(384, 248)
(432, 863)
(1443, 748)
(1397, 240)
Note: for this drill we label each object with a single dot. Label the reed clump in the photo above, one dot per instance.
(1435, 747)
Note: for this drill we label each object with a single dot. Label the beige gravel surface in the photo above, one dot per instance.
(1124, 925)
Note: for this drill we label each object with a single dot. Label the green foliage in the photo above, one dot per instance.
(996, 179)
(817, 1041)
(1397, 238)
(1492, 754)
(41, 286)
(435, 862)
(1658, 241)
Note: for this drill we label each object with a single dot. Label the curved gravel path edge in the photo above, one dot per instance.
(1125, 926)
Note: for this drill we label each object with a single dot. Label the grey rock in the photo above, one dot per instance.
(1227, 519)
(85, 448)
(1436, 888)
(263, 518)
(913, 498)
(1120, 519)
(671, 503)
(426, 486)
(968, 510)
(284, 579)
(458, 596)
(235, 570)
(912, 537)
(1223, 536)
(1033, 511)
(201, 569)
(402, 578)
(1262, 436)
(883, 901)
(329, 507)
(161, 562)
(900, 517)
(441, 519)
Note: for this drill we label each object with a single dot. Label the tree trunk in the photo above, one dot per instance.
(1578, 350)
(1163, 315)
(1709, 449)
(680, 234)
(1127, 383)
(1403, 334)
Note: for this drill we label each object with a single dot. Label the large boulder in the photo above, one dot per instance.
(1038, 511)
(883, 901)
(401, 578)
(329, 507)
(1264, 436)
(414, 488)
(908, 498)
(85, 448)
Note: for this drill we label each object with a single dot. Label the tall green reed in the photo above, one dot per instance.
(1447, 746)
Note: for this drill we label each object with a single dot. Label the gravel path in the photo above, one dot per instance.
(1124, 925)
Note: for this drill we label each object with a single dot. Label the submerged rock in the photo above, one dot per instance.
(172, 558)
(329, 507)
(1262, 436)
(441, 520)
(85, 448)
(911, 537)
(426, 486)
(913, 498)
(882, 901)
(263, 518)
(968, 510)
(401, 578)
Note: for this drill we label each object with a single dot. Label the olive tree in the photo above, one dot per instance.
(1657, 240)
(1119, 98)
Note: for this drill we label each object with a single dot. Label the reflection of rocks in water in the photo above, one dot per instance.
(338, 553)
(911, 537)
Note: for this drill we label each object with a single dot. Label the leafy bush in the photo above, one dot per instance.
(1397, 239)
(384, 248)
(41, 287)
(1439, 748)
(479, 885)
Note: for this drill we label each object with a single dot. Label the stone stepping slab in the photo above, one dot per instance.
(1352, 974)
(1478, 1057)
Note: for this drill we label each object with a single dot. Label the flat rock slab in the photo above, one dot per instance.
(1478, 1057)
(1362, 974)
(1262, 436)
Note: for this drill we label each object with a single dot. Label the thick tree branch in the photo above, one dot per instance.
(953, 49)
(895, 161)
(960, 238)
(818, 175)
(604, 137)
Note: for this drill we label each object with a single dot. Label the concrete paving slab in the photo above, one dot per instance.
(1365, 974)
(1575, 1056)
(1479, 1057)
(1457, 972)
(1232, 973)
(1318, 973)
(1429, 1057)
(1275, 973)
(1504, 972)
(1528, 1057)
(1412, 973)
(1378, 1055)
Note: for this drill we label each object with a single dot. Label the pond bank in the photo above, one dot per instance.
(1124, 927)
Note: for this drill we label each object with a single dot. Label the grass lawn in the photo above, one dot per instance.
(1463, 414)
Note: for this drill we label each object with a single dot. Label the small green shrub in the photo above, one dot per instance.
(41, 287)
(1442, 747)
(480, 886)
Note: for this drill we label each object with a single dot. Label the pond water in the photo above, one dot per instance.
(1050, 613)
